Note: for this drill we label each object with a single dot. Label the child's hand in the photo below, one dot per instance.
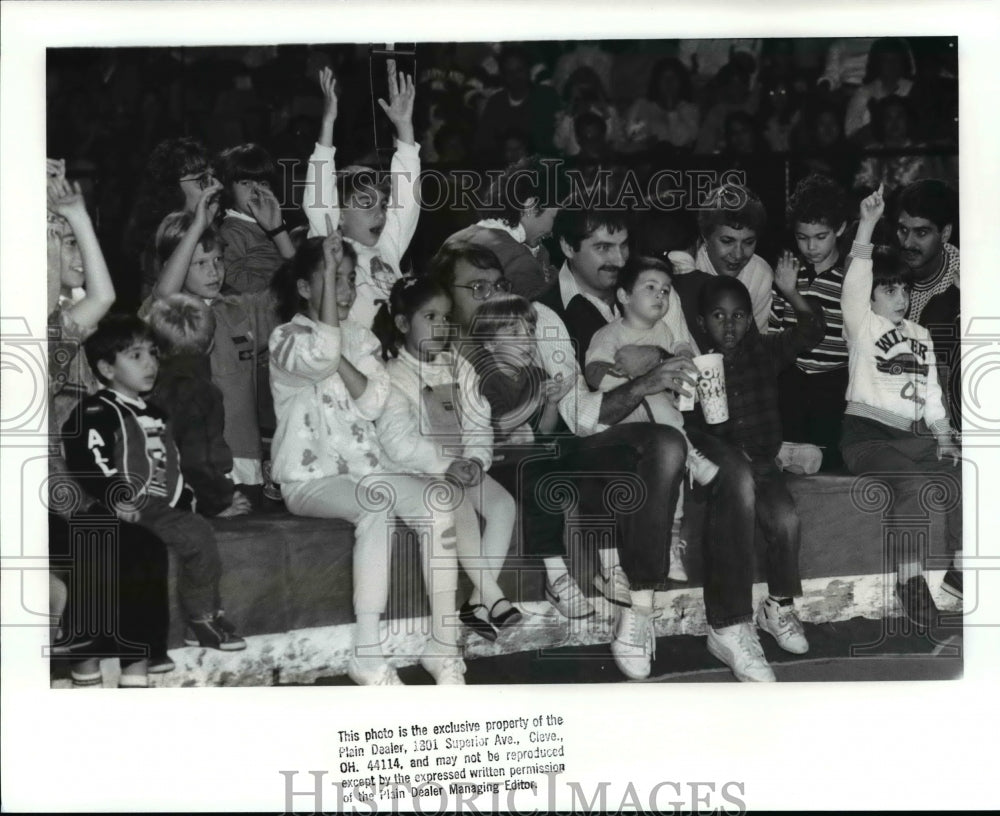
(327, 83)
(872, 207)
(240, 507)
(786, 273)
(264, 207)
(333, 246)
(208, 205)
(467, 472)
(946, 447)
(130, 516)
(399, 109)
(555, 388)
(66, 198)
(55, 168)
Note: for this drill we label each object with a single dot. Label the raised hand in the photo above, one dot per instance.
(56, 168)
(327, 83)
(333, 246)
(66, 198)
(872, 207)
(264, 207)
(399, 108)
(786, 273)
(208, 204)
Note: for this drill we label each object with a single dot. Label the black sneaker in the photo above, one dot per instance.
(160, 665)
(918, 605)
(210, 635)
(952, 583)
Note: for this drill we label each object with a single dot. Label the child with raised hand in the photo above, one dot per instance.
(80, 293)
(377, 218)
(448, 433)
(329, 388)
(125, 456)
(644, 294)
(752, 363)
(184, 327)
(190, 251)
(253, 230)
(812, 391)
(896, 421)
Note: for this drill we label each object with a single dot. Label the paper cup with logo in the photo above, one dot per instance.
(712, 388)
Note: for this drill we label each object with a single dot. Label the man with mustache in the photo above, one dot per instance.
(925, 216)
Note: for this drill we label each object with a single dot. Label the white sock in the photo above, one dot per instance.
(609, 560)
(642, 598)
(555, 568)
(907, 570)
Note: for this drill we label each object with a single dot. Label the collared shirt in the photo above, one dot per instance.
(923, 291)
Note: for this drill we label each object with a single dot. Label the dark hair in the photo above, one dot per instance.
(749, 122)
(888, 268)
(817, 200)
(285, 283)
(932, 199)
(658, 232)
(171, 232)
(442, 265)
(408, 294)
(520, 182)
(659, 69)
(352, 181)
(733, 206)
(636, 266)
(574, 223)
(585, 75)
(245, 162)
(159, 189)
(589, 118)
(882, 47)
(513, 51)
(879, 108)
(114, 334)
(718, 285)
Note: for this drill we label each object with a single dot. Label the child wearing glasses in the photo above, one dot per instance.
(448, 432)
(377, 216)
(253, 231)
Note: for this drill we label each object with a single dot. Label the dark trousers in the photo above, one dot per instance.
(192, 538)
(924, 484)
(812, 410)
(116, 576)
(739, 499)
(630, 474)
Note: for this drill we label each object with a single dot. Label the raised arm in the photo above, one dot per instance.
(319, 198)
(403, 207)
(67, 200)
(855, 296)
(175, 269)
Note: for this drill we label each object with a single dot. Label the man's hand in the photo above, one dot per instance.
(634, 361)
(264, 207)
(399, 109)
(677, 374)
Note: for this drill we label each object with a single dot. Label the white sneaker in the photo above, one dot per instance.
(702, 469)
(784, 625)
(634, 644)
(799, 457)
(738, 647)
(381, 674)
(615, 587)
(567, 598)
(446, 671)
(677, 572)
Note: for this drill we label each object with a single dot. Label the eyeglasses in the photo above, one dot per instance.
(203, 179)
(484, 290)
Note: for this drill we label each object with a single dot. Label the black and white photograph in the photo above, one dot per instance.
(616, 365)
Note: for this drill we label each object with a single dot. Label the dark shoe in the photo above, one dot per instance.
(918, 605)
(160, 665)
(210, 635)
(952, 583)
(508, 618)
(220, 620)
(483, 628)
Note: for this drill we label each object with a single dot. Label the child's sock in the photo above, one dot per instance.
(609, 560)
(133, 681)
(642, 598)
(555, 568)
(367, 639)
(907, 570)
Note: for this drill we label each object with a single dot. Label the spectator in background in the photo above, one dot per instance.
(820, 137)
(176, 173)
(706, 57)
(515, 146)
(779, 113)
(582, 55)
(888, 72)
(742, 137)
(585, 94)
(667, 114)
(894, 126)
(732, 86)
(521, 104)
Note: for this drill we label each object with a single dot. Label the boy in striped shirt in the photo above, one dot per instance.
(811, 392)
